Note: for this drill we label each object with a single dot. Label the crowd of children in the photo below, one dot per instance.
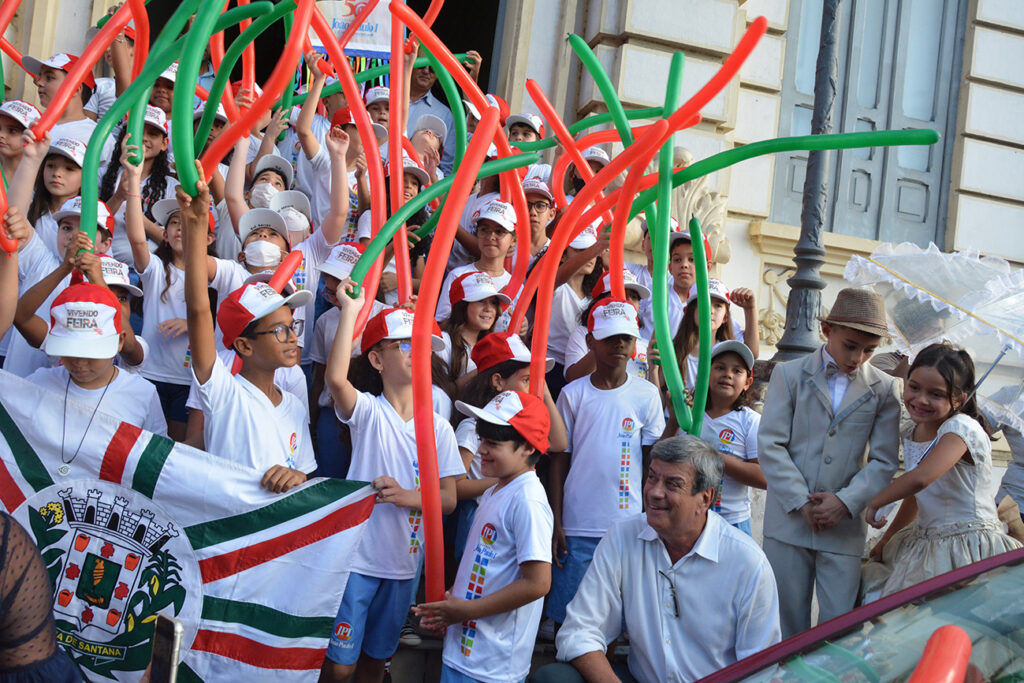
(187, 338)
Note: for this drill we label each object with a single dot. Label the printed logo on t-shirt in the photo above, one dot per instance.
(343, 631)
(627, 425)
(293, 444)
(488, 534)
(300, 279)
(727, 439)
(483, 554)
(415, 516)
(625, 458)
(188, 357)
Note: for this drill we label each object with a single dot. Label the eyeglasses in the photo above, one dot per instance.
(282, 332)
(672, 592)
(539, 207)
(488, 230)
(403, 346)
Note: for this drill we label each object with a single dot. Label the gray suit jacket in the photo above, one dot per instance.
(804, 447)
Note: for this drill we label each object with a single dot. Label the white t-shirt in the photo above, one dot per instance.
(290, 380)
(734, 433)
(565, 317)
(466, 437)
(46, 230)
(128, 398)
(576, 348)
(35, 262)
(513, 525)
(170, 359)
(242, 425)
(446, 354)
(103, 96)
(444, 305)
(607, 430)
(315, 251)
(384, 444)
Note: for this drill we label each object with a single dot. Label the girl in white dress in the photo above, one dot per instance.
(947, 488)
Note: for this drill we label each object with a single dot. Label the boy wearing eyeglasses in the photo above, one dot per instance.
(249, 419)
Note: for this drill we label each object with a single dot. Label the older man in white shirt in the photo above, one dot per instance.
(696, 594)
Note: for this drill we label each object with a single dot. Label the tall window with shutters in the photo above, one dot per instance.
(899, 67)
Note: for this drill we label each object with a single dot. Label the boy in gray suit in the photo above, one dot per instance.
(828, 442)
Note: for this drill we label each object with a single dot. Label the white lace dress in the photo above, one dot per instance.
(957, 523)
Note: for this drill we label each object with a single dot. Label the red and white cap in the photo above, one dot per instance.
(534, 185)
(597, 154)
(524, 412)
(611, 317)
(498, 211)
(197, 113)
(254, 219)
(396, 323)
(277, 163)
(115, 274)
(379, 130)
(156, 117)
(171, 74)
(342, 259)
(21, 111)
(72, 148)
(85, 322)
(499, 347)
(410, 166)
(251, 302)
(533, 121)
(268, 275)
(61, 61)
(343, 117)
(292, 199)
(491, 100)
(73, 207)
(434, 124)
(378, 93)
(716, 288)
(475, 286)
(673, 228)
(629, 281)
(587, 237)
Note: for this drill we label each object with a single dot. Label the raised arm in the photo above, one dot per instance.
(234, 184)
(336, 372)
(32, 327)
(304, 124)
(334, 222)
(134, 220)
(9, 271)
(19, 191)
(195, 217)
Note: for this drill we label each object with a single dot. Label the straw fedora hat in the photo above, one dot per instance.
(859, 309)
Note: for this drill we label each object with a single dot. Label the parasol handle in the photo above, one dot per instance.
(988, 372)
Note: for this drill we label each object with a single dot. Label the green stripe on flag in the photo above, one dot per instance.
(295, 505)
(29, 464)
(151, 462)
(187, 675)
(266, 619)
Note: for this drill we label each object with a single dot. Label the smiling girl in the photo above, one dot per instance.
(476, 304)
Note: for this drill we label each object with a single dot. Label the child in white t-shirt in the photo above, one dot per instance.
(731, 427)
(612, 419)
(492, 616)
(382, 581)
(476, 304)
(722, 326)
(15, 117)
(570, 299)
(248, 418)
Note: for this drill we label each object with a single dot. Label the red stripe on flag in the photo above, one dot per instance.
(220, 566)
(112, 468)
(248, 651)
(10, 493)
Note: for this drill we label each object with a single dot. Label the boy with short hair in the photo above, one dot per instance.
(828, 442)
(248, 418)
(612, 419)
(495, 605)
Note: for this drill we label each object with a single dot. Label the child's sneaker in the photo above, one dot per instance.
(409, 637)
(547, 629)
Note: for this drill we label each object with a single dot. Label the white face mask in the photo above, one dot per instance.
(259, 195)
(262, 254)
(297, 225)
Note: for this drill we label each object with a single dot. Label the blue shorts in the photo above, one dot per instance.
(450, 675)
(172, 400)
(744, 526)
(370, 618)
(565, 580)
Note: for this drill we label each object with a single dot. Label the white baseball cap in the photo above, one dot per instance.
(251, 302)
(162, 210)
(71, 148)
(115, 274)
(292, 199)
(628, 280)
(532, 121)
(395, 323)
(716, 288)
(378, 93)
(156, 117)
(534, 185)
(611, 317)
(433, 124)
(221, 114)
(673, 228)
(85, 322)
(475, 286)
(587, 237)
(500, 212)
(253, 219)
(342, 259)
(61, 61)
(410, 166)
(170, 73)
(737, 347)
(491, 100)
(21, 111)
(277, 163)
(596, 154)
(73, 207)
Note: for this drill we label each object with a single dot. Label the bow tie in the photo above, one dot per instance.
(832, 370)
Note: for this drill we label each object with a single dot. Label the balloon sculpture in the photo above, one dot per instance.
(642, 192)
